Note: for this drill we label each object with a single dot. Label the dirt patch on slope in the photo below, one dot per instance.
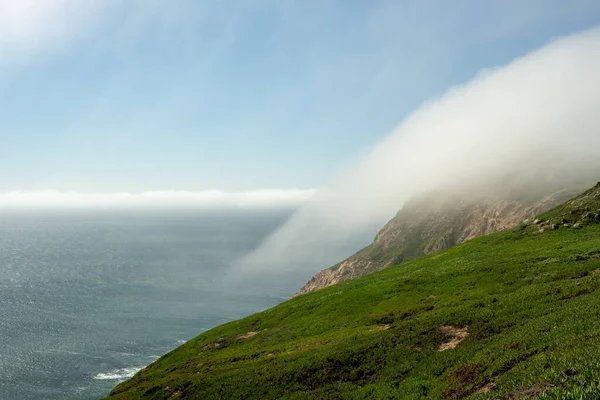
(529, 392)
(454, 336)
(247, 335)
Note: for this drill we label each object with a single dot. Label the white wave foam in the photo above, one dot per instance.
(117, 374)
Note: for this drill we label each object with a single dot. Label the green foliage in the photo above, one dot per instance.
(530, 302)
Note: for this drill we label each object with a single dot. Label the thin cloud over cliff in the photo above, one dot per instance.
(533, 120)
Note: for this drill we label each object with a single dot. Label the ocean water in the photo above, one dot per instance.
(87, 299)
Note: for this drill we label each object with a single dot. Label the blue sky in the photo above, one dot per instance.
(135, 95)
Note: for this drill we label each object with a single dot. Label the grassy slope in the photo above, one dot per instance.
(439, 220)
(530, 300)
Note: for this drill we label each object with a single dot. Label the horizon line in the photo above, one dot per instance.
(209, 198)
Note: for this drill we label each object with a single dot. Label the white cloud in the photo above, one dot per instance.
(52, 199)
(31, 26)
(533, 119)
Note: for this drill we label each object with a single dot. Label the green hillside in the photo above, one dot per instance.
(443, 218)
(511, 315)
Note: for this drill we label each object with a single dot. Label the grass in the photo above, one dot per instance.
(529, 299)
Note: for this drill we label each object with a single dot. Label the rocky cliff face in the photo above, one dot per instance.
(431, 223)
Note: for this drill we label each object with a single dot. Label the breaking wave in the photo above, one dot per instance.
(117, 374)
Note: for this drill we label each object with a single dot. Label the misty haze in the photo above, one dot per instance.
(268, 200)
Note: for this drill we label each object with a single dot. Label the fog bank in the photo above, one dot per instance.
(170, 199)
(531, 122)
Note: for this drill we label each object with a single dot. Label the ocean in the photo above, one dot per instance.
(89, 298)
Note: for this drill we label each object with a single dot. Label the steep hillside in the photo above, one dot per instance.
(512, 315)
(431, 223)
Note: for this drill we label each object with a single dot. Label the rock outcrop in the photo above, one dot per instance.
(430, 223)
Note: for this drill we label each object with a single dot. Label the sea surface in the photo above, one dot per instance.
(89, 298)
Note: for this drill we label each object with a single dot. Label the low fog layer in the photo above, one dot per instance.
(531, 122)
(157, 199)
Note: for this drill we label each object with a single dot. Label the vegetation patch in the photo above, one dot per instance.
(464, 380)
(517, 314)
(529, 392)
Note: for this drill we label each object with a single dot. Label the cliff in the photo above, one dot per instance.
(430, 223)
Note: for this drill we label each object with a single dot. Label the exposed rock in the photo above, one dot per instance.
(537, 221)
(486, 388)
(554, 226)
(428, 224)
(211, 346)
(247, 335)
